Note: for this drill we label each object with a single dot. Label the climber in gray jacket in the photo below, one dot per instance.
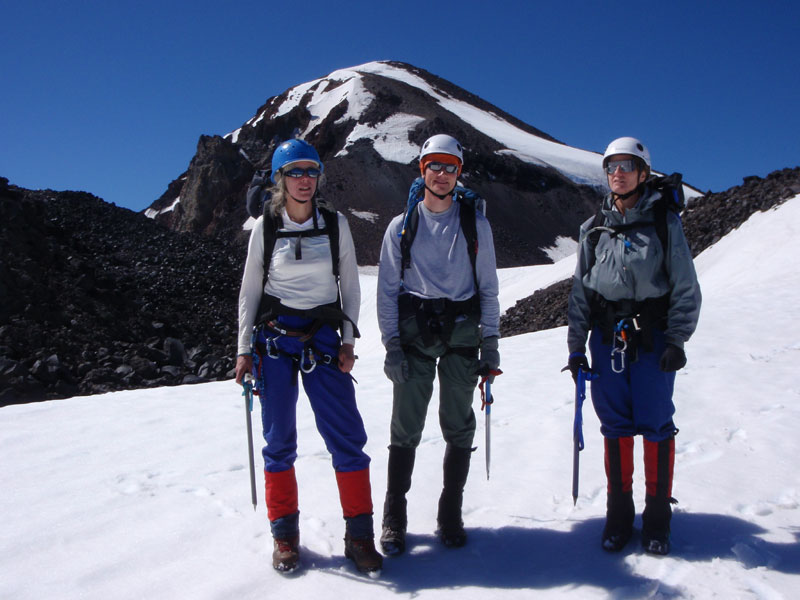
(437, 309)
(635, 295)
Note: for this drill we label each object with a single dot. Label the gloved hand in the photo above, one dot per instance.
(577, 360)
(395, 365)
(672, 359)
(489, 359)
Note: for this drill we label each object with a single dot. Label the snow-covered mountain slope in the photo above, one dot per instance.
(390, 136)
(368, 123)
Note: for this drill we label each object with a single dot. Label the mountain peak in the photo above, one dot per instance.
(368, 123)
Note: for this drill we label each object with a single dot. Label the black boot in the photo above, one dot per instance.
(456, 469)
(656, 520)
(395, 518)
(620, 511)
(659, 462)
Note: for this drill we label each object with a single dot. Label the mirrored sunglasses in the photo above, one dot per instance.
(448, 167)
(628, 166)
(297, 173)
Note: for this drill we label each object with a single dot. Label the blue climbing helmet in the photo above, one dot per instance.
(292, 151)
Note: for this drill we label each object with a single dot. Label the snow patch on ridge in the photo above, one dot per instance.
(152, 213)
(365, 214)
(390, 138)
(561, 248)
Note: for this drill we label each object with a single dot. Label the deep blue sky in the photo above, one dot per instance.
(111, 97)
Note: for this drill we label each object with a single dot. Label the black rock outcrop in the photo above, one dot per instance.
(95, 298)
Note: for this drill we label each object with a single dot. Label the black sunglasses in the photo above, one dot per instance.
(297, 173)
(448, 167)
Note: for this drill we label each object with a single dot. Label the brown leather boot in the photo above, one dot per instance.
(286, 554)
(362, 552)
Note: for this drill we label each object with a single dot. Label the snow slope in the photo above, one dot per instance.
(145, 494)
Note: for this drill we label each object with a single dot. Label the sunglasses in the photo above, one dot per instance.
(628, 166)
(297, 173)
(448, 167)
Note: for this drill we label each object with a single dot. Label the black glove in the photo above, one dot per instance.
(489, 357)
(672, 359)
(577, 360)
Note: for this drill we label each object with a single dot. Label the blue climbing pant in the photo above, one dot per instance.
(278, 362)
(636, 401)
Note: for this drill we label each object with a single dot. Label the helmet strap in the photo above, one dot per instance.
(440, 196)
(639, 189)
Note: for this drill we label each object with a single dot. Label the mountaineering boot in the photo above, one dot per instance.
(284, 518)
(456, 468)
(286, 554)
(362, 552)
(355, 495)
(620, 511)
(395, 517)
(659, 463)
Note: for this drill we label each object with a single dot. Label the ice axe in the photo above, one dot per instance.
(577, 428)
(487, 399)
(247, 384)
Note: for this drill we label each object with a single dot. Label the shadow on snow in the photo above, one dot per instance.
(539, 558)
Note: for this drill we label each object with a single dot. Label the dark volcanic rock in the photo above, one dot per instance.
(706, 220)
(95, 298)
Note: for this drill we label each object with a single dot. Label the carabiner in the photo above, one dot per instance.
(272, 347)
(621, 352)
(308, 354)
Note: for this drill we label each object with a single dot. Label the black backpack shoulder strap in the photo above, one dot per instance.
(672, 200)
(331, 218)
(407, 238)
(469, 227)
(271, 226)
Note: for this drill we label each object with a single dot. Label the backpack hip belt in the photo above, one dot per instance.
(631, 321)
(271, 308)
(436, 317)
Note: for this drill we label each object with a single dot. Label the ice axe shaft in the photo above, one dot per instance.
(487, 399)
(577, 429)
(247, 384)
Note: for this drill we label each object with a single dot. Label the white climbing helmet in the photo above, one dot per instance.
(627, 145)
(442, 144)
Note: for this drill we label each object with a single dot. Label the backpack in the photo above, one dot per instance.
(258, 204)
(672, 199)
(273, 224)
(257, 196)
(470, 202)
